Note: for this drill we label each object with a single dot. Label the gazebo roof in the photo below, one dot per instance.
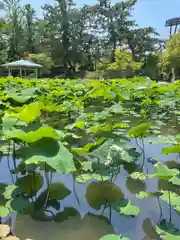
(22, 63)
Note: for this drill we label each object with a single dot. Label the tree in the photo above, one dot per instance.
(14, 21)
(29, 29)
(42, 59)
(124, 62)
(142, 41)
(170, 57)
(75, 38)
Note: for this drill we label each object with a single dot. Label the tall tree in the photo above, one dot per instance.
(29, 28)
(14, 20)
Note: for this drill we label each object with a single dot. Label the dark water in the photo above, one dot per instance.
(89, 227)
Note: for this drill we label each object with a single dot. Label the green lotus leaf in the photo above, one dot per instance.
(175, 181)
(174, 199)
(40, 215)
(171, 149)
(167, 231)
(150, 230)
(9, 123)
(135, 185)
(4, 211)
(55, 154)
(161, 171)
(86, 149)
(129, 210)
(58, 191)
(28, 113)
(11, 191)
(68, 212)
(144, 194)
(114, 237)
(88, 176)
(32, 136)
(24, 96)
(53, 203)
(99, 193)
(17, 204)
(79, 124)
(121, 155)
(117, 108)
(138, 175)
(140, 130)
(30, 183)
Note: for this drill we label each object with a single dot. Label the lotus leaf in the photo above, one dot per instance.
(167, 231)
(150, 230)
(113, 237)
(32, 136)
(4, 211)
(161, 171)
(175, 181)
(129, 210)
(135, 185)
(99, 193)
(56, 155)
(138, 175)
(175, 199)
(171, 149)
(17, 204)
(89, 176)
(140, 130)
(28, 113)
(30, 183)
(58, 191)
(144, 194)
(11, 191)
(68, 212)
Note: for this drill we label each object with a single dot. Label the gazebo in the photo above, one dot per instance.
(23, 66)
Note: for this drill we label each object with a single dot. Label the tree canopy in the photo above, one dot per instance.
(74, 38)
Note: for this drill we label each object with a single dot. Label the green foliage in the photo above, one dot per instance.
(4, 211)
(42, 59)
(161, 171)
(98, 193)
(58, 191)
(23, 113)
(172, 149)
(83, 129)
(113, 237)
(167, 231)
(140, 130)
(170, 57)
(129, 210)
(32, 136)
(124, 62)
(68, 212)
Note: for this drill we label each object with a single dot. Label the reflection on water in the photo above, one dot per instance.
(90, 227)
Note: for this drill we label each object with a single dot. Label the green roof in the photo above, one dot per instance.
(22, 63)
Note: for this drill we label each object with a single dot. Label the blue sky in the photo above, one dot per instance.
(147, 12)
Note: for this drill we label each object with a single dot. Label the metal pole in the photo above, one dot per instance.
(21, 72)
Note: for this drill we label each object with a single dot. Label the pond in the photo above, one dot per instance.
(89, 162)
(89, 226)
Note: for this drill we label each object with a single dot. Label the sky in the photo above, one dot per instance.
(152, 13)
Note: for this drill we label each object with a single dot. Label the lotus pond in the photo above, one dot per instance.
(90, 159)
